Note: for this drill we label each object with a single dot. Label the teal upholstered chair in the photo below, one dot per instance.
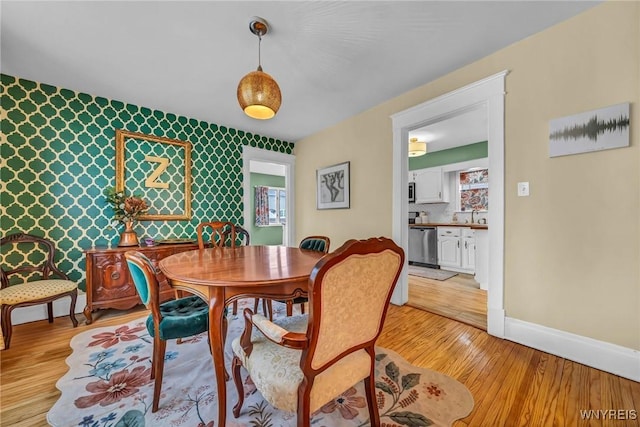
(312, 243)
(173, 319)
(315, 243)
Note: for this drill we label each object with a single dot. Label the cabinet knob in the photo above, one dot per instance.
(115, 275)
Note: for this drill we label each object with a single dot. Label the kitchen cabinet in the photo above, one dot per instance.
(431, 186)
(456, 249)
(468, 250)
(109, 284)
(449, 246)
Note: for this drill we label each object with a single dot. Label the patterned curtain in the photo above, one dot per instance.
(262, 206)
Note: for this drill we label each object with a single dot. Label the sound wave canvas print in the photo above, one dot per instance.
(595, 130)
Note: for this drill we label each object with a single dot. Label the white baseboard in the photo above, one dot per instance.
(605, 356)
(39, 312)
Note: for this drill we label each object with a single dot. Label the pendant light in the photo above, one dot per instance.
(417, 148)
(258, 93)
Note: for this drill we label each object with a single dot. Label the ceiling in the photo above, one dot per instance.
(332, 60)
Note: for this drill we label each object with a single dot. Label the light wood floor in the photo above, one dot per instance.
(512, 385)
(458, 298)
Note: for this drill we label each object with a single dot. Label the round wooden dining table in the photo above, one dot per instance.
(223, 275)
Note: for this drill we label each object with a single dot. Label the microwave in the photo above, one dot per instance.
(412, 192)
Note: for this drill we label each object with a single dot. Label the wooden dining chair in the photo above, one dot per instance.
(224, 233)
(299, 363)
(220, 232)
(174, 319)
(37, 280)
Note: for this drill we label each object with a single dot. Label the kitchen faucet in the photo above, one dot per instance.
(472, 212)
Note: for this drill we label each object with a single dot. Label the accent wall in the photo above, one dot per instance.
(58, 156)
(478, 150)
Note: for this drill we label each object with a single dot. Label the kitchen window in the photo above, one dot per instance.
(473, 190)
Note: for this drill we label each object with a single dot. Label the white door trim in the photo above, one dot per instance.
(289, 163)
(486, 93)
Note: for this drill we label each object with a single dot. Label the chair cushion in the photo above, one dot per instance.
(32, 291)
(313, 245)
(181, 318)
(276, 373)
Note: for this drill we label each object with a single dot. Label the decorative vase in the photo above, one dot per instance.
(128, 237)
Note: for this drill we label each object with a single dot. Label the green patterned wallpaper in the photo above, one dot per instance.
(58, 155)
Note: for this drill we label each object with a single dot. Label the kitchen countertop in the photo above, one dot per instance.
(457, 224)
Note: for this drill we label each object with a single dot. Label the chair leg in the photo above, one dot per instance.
(237, 379)
(72, 309)
(256, 303)
(302, 307)
(270, 308)
(50, 311)
(370, 391)
(159, 348)
(7, 328)
(289, 308)
(235, 307)
(304, 403)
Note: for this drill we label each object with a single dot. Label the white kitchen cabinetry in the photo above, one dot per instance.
(456, 249)
(431, 186)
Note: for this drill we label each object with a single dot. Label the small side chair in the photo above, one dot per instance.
(40, 282)
(173, 319)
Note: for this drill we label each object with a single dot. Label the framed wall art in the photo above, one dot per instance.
(595, 130)
(157, 168)
(332, 187)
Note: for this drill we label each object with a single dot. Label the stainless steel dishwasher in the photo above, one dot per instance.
(423, 246)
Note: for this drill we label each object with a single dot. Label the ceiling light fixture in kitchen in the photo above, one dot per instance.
(417, 148)
(258, 93)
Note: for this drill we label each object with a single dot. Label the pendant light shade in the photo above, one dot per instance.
(258, 93)
(417, 148)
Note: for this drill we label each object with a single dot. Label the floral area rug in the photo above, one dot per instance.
(108, 385)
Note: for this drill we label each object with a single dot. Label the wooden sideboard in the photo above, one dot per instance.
(109, 284)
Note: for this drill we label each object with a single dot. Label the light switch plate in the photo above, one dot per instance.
(523, 189)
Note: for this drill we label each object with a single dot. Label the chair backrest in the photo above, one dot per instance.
(217, 236)
(349, 293)
(241, 234)
(316, 243)
(37, 264)
(145, 278)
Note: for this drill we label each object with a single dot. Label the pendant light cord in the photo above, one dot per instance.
(259, 58)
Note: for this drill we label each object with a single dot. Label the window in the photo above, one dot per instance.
(277, 206)
(473, 186)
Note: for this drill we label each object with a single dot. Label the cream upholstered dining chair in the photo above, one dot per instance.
(174, 319)
(300, 363)
(40, 281)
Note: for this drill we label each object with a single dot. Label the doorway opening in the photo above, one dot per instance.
(487, 93)
(274, 172)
